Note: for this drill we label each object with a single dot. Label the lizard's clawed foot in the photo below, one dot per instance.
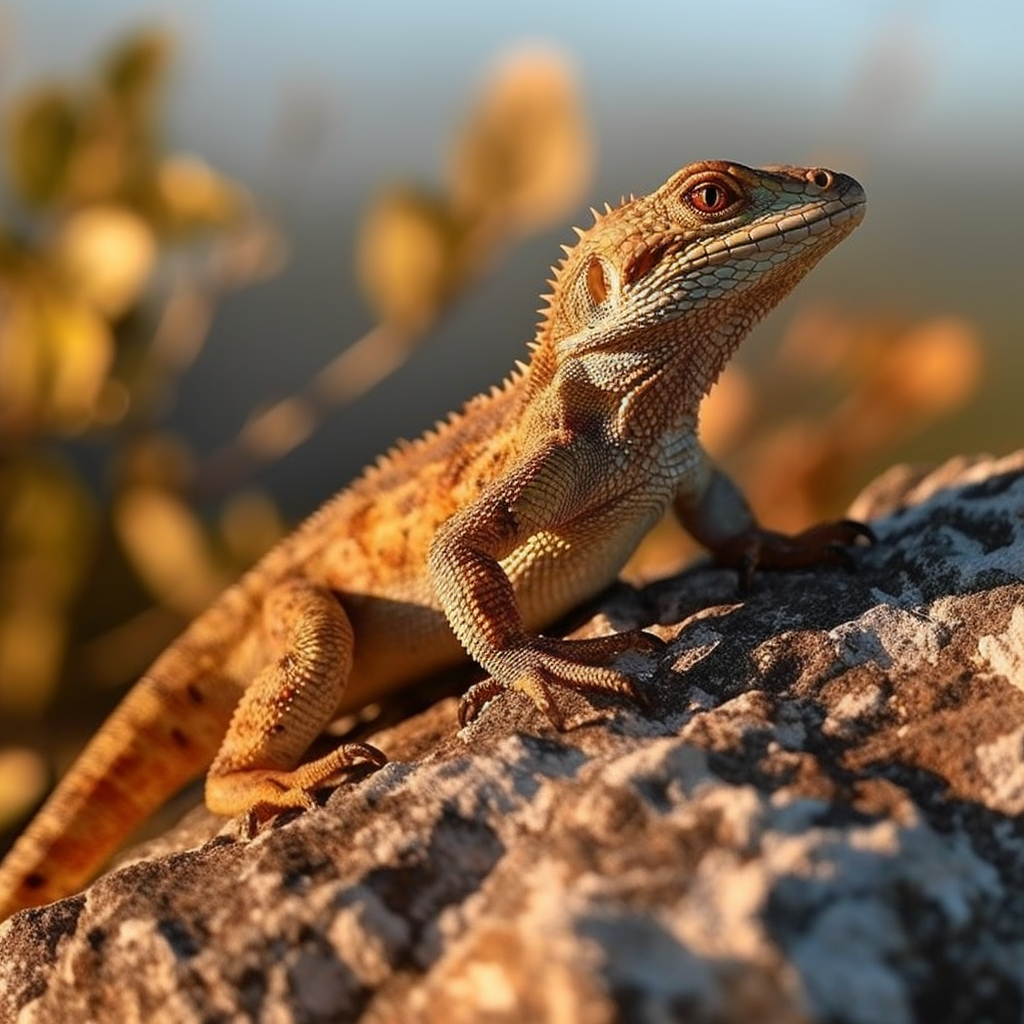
(826, 543)
(268, 792)
(545, 663)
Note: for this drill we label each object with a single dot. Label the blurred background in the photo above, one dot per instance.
(244, 246)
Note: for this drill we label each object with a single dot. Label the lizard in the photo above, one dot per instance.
(469, 541)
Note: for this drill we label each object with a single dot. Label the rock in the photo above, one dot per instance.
(819, 818)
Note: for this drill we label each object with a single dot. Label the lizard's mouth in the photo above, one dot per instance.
(827, 219)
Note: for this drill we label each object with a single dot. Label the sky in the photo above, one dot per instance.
(394, 72)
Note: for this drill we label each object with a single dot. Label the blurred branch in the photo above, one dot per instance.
(275, 431)
(520, 162)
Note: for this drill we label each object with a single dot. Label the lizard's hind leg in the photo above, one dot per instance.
(257, 770)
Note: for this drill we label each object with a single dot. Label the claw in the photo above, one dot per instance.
(746, 567)
(858, 530)
(359, 752)
(474, 699)
(826, 542)
(644, 642)
(537, 686)
(587, 664)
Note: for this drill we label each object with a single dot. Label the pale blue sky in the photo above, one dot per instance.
(396, 75)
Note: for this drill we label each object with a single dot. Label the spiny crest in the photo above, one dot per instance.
(403, 449)
(599, 216)
(544, 312)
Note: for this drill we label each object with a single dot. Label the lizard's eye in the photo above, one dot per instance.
(709, 197)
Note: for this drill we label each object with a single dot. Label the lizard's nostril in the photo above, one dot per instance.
(820, 177)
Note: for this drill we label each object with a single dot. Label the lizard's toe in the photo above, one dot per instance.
(853, 530)
(474, 699)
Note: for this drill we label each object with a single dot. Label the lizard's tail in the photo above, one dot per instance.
(162, 735)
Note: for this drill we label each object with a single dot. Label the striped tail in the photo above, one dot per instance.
(162, 735)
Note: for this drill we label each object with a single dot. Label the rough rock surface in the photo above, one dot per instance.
(820, 818)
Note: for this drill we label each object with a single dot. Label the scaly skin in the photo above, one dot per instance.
(480, 533)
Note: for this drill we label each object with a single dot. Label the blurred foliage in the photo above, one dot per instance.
(877, 382)
(519, 162)
(114, 255)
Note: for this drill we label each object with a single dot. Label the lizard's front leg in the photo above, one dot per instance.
(480, 602)
(257, 770)
(713, 510)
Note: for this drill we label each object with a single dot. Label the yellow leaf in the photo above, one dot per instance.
(46, 532)
(47, 524)
(407, 254)
(525, 154)
(105, 253)
(134, 71)
(193, 195)
(251, 524)
(104, 159)
(55, 352)
(22, 361)
(22, 782)
(168, 548)
(79, 353)
(31, 648)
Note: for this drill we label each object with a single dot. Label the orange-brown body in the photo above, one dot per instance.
(477, 535)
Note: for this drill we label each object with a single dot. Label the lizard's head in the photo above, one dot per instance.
(683, 273)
